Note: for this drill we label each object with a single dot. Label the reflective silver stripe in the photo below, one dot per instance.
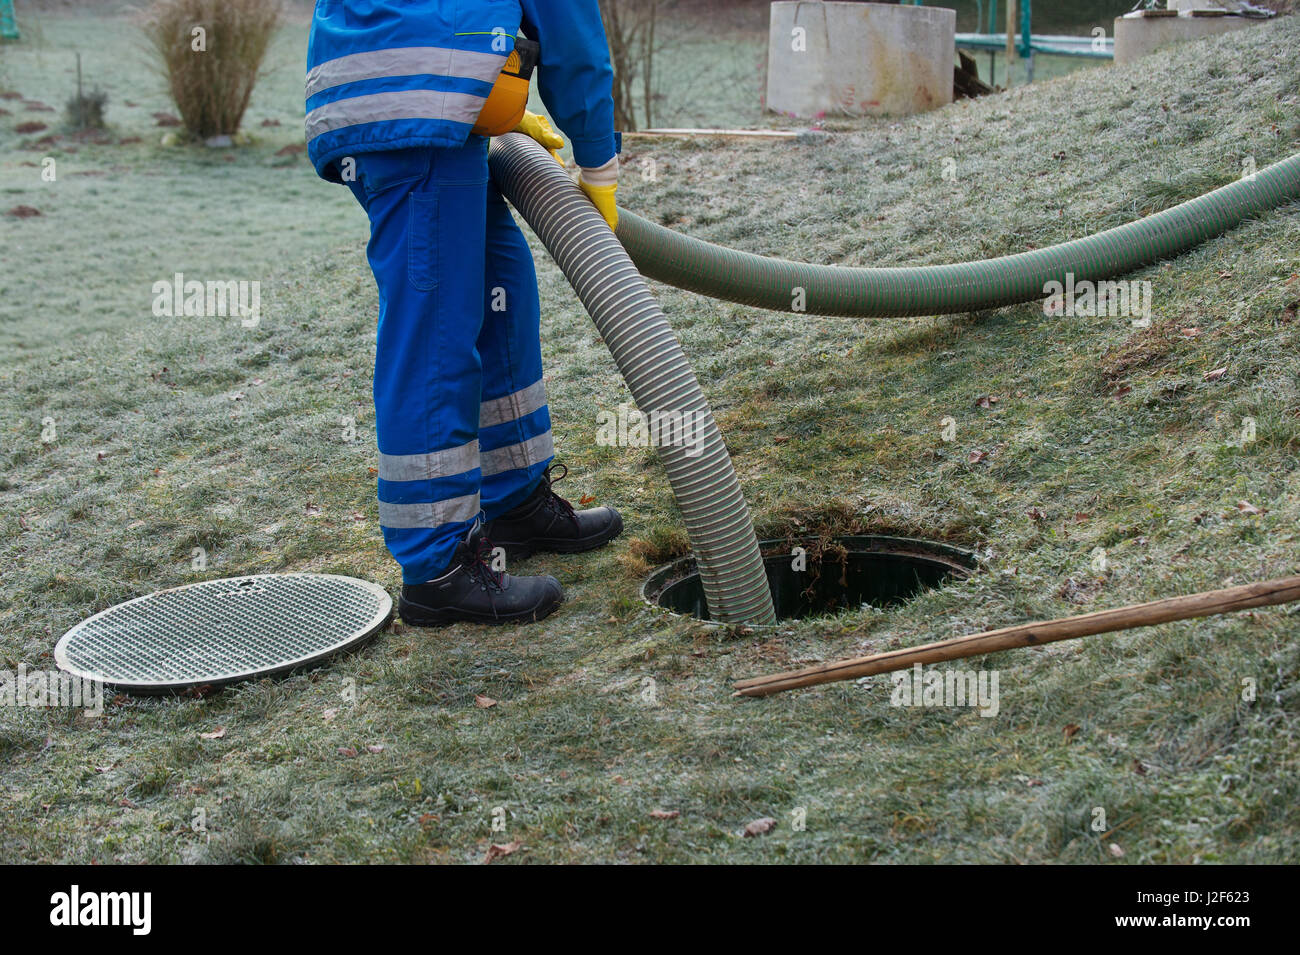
(522, 455)
(404, 61)
(435, 464)
(426, 514)
(512, 407)
(405, 104)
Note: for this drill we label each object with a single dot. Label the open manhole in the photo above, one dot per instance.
(220, 631)
(843, 573)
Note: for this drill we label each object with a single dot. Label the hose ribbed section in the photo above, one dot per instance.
(943, 289)
(655, 368)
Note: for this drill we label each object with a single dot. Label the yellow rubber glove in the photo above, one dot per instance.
(601, 186)
(539, 127)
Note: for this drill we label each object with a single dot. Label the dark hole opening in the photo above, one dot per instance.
(844, 573)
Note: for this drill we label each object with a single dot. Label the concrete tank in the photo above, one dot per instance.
(1136, 35)
(859, 59)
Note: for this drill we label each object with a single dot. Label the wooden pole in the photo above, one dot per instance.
(1012, 16)
(1262, 594)
(735, 133)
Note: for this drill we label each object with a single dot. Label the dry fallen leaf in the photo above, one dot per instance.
(1248, 508)
(497, 851)
(760, 827)
(347, 751)
(217, 733)
(1115, 850)
(975, 457)
(1070, 730)
(375, 748)
(1214, 375)
(1190, 332)
(483, 702)
(665, 813)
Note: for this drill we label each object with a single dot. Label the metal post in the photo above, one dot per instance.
(1027, 38)
(8, 22)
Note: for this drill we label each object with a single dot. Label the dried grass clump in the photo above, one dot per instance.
(212, 53)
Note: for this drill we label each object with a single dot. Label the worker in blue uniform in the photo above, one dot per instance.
(394, 91)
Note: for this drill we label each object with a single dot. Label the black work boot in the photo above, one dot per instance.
(473, 592)
(547, 522)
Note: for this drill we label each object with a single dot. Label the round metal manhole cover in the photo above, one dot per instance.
(220, 631)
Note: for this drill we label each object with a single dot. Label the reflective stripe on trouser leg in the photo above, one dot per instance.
(514, 422)
(426, 250)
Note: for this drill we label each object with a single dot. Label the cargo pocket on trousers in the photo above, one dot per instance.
(422, 240)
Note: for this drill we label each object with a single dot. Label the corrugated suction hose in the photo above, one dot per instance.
(659, 376)
(944, 289)
(655, 368)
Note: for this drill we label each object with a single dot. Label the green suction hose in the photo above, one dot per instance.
(660, 377)
(944, 289)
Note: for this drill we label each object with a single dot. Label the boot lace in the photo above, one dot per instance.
(480, 566)
(553, 501)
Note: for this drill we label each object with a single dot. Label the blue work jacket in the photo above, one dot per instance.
(396, 74)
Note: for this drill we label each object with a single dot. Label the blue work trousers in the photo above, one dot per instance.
(460, 408)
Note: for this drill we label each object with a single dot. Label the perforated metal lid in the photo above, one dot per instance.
(219, 631)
